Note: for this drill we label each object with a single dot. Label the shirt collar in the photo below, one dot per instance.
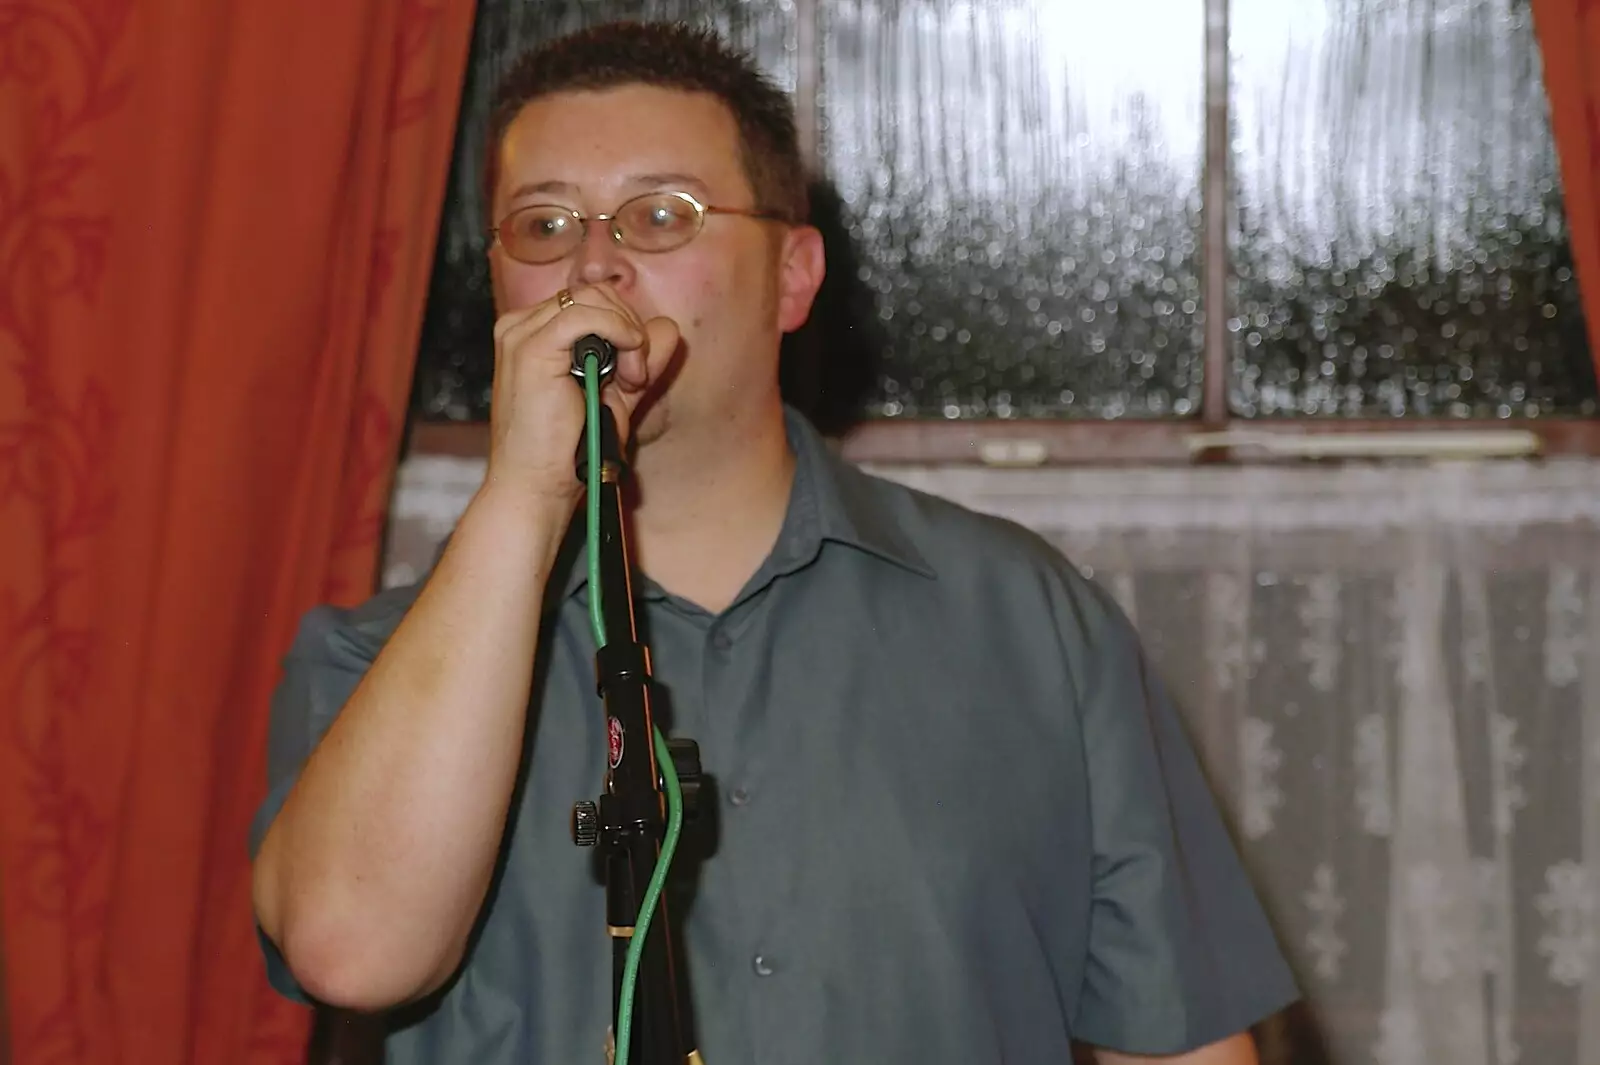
(835, 501)
(831, 501)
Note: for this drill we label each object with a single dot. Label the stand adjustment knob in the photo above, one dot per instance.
(686, 763)
(585, 824)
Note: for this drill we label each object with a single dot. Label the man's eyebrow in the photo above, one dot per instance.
(542, 186)
(665, 179)
(669, 178)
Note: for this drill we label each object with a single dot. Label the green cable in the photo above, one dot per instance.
(591, 396)
(669, 773)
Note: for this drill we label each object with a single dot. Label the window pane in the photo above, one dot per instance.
(1022, 181)
(1400, 244)
(456, 358)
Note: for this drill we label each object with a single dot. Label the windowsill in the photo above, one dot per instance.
(1009, 444)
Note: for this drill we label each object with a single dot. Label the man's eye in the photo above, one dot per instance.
(544, 227)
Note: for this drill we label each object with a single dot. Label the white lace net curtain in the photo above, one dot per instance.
(1392, 675)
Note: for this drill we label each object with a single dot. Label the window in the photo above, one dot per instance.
(1398, 234)
(1036, 203)
(1026, 201)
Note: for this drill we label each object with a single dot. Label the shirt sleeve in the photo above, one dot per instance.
(332, 651)
(1181, 953)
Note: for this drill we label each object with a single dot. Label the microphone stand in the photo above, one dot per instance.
(629, 821)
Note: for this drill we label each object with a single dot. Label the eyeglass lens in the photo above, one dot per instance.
(653, 222)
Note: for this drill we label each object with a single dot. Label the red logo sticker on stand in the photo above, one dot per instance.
(615, 736)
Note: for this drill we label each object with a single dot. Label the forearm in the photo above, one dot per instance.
(370, 878)
(1235, 1050)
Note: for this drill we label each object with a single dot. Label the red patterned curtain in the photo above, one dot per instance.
(217, 222)
(1569, 40)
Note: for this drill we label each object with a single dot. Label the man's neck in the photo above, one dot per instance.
(709, 512)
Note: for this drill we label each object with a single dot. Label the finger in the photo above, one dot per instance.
(514, 326)
(630, 366)
(658, 355)
(637, 370)
(517, 319)
(602, 294)
(631, 370)
(607, 292)
(632, 373)
(518, 338)
(554, 339)
(663, 339)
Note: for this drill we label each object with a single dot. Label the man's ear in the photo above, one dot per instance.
(801, 267)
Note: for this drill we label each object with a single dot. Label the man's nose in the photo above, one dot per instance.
(600, 257)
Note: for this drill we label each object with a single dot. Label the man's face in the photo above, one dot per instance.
(733, 290)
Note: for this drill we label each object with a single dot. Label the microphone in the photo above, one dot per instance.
(600, 348)
(610, 442)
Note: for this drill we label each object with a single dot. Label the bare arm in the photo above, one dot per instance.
(372, 875)
(1235, 1050)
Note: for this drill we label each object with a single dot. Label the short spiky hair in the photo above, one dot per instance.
(669, 56)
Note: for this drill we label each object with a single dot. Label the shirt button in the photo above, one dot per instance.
(722, 641)
(762, 965)
(739, 797)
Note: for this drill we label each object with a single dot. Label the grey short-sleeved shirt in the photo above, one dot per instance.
(958, 820)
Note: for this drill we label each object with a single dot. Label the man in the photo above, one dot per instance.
(960, 821)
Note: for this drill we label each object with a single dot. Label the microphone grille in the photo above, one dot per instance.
(597, 346)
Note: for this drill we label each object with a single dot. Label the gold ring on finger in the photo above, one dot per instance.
(564, 298)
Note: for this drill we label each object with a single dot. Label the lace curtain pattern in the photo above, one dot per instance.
(1391, 674)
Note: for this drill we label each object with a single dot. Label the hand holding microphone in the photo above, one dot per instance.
(537, 410)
